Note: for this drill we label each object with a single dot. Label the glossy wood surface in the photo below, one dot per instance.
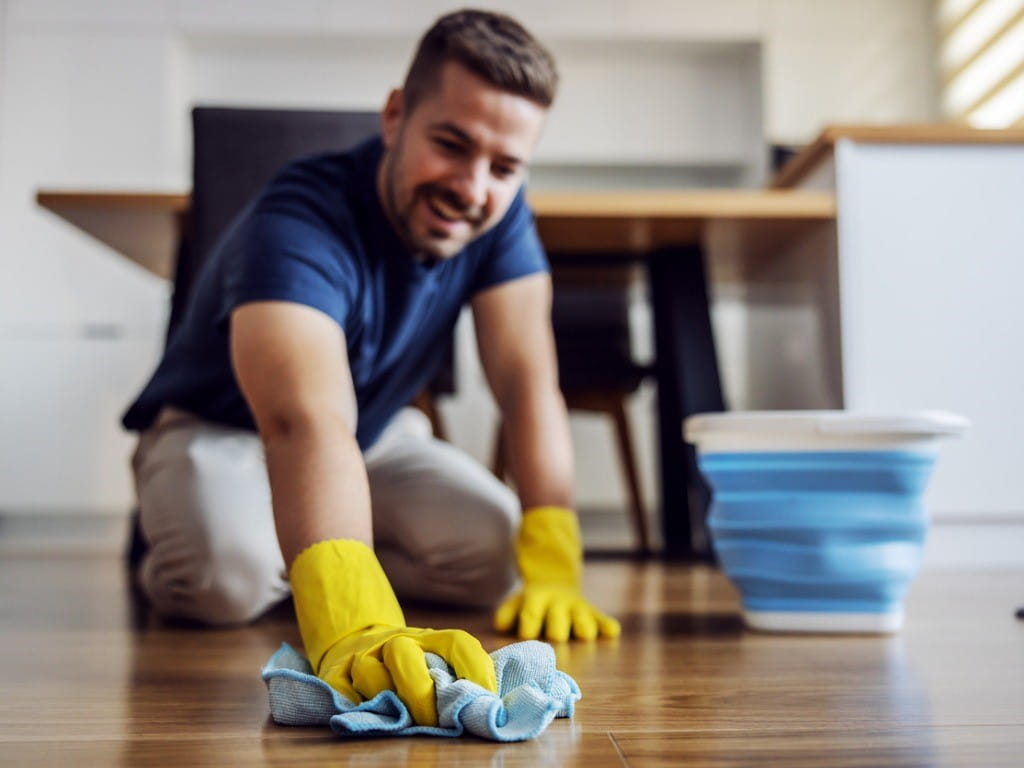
(810, 156)
(89, 678)
(145, 226)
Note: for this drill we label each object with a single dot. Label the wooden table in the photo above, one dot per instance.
(667, 229)
(145, 226)
(802, 165)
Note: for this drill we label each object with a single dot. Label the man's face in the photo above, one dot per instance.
(453, 165)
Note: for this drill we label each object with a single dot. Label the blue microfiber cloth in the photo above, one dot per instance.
(531, 693)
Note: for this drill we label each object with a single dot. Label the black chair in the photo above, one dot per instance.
(235, 153)
(596, 370)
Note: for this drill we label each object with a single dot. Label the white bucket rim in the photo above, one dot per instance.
(824, 425)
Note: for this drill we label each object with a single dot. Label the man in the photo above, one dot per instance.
(318, 316)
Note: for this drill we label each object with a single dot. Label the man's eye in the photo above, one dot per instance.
(503, 171)
(448, 146)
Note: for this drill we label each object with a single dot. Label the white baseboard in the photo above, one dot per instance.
(67, 531)
(975, 541)
(961, 541)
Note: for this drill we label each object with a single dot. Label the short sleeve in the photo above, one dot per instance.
(515, 250)
(278, 257)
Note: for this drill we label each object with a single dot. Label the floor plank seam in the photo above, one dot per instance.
(618, 748)
(839, 728)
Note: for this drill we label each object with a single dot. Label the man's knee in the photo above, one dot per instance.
(489, 571)
(206, 517)
(491, 583)
(496, 525)
(474, 563)
(223, 589)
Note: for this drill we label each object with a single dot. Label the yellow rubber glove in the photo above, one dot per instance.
(355, 635)
(550, 557)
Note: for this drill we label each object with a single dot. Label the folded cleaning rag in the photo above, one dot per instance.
(531, 693)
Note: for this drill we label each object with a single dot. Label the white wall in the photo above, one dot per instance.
(79, 326)
(3, 56)
(848, 61)
(96, 94)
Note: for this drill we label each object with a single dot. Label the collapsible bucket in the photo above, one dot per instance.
(817, 517)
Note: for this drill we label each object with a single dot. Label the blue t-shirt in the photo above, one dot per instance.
(317, 235)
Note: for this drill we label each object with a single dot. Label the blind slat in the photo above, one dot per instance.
(990, 48)
(980, 51)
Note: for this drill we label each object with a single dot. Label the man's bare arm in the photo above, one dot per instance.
(292, 367)
(513, 323)
(517, 350)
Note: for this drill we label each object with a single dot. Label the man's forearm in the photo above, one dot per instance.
(539, 446)
(318, 484)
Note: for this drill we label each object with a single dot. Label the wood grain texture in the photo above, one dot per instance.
(90, 678)
(145, 226)
(804, 161)
(723, 203)
(959, 747)
(740, 204)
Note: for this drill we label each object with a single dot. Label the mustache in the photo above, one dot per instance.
(474, 214)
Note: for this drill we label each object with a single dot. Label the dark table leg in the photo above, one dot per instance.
(688, 382)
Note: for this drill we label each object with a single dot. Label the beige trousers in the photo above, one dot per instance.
(443, 525)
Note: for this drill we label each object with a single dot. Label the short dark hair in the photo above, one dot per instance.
(491, 45)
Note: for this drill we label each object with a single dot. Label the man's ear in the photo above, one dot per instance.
(391, 116)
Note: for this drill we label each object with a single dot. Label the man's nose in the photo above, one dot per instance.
(472, 185)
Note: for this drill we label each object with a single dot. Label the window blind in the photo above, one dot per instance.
(982, 58)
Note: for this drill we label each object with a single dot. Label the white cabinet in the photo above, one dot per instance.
(63, 393)
(79, 325)
(930, 245)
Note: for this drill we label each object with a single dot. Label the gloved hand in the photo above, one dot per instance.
(550, 558)
(355, 636)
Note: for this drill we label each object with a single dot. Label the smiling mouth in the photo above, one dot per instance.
(443, 210)
(448, 213)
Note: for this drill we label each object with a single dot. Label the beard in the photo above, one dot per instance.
(442, 201)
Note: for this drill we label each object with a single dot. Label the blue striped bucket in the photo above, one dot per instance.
(818, 516)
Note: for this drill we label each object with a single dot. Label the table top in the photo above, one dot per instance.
(143, 225)
(810, 156)
(699, 204)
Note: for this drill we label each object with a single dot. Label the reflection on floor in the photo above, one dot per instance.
(90, 677)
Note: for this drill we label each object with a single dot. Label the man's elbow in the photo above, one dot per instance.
(517, 392)
(297, 420)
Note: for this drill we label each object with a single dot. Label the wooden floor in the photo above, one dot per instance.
(88, 678)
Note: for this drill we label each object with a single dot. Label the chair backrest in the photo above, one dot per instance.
(235, 153)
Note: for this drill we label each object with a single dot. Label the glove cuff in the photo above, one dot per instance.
(549, 549)
(339, 587)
